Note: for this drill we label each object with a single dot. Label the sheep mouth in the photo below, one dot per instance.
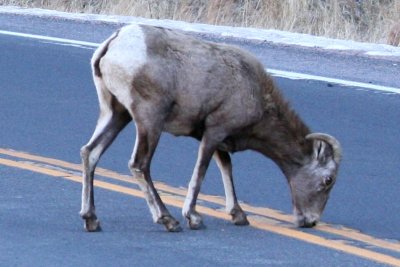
(306, 221)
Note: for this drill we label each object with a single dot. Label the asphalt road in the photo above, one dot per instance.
(48, 110)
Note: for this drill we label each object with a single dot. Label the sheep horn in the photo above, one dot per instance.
(336, 147)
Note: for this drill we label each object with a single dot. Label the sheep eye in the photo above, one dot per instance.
(328, 180)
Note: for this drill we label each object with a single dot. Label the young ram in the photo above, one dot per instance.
(164, 80)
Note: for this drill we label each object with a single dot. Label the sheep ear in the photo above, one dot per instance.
(320, 145)
(321, 151)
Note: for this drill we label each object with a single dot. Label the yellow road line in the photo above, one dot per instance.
(271, 213)
(288, 232)
(169, 200)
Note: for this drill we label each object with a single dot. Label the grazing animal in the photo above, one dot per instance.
(165, 80)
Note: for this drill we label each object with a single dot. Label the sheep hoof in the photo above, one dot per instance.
(92, 225)
(170, 224)
(195, 221)
(239, 217)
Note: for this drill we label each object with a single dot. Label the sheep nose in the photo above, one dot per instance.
(307, 222)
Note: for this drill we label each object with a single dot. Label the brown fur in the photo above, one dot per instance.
(216, 93)
(281, 129)
(229, 71)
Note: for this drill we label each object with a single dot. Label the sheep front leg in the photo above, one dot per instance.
(206, 150)
(232, 206)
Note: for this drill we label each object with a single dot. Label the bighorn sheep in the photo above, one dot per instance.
(164, 80)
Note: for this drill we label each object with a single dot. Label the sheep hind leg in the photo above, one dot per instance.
(108, 127)
(232, 206)
(146, 142)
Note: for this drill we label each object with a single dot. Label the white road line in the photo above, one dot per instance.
(50, 39)
(274, 72)
(302, 76)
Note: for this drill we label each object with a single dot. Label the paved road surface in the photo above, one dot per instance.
(48, 111)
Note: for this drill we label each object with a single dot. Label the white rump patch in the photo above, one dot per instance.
(126, 54)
